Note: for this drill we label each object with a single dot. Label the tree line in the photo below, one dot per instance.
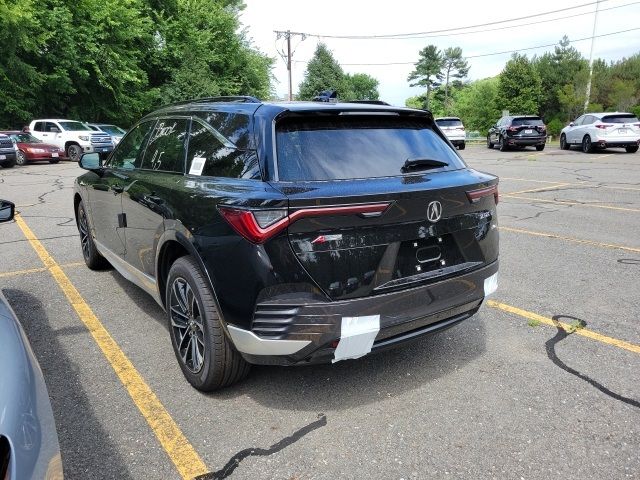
(114, 60)
(552, 85)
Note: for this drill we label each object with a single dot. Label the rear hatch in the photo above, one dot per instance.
(451, 127)
(524, 127)
(380, 202)
(620, 126)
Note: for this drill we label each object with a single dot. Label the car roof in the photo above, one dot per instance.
(603, 114)
(249, 105)
(10, 132)
(447, 118)
(56, 120)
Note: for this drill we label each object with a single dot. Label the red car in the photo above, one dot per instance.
(30, 149)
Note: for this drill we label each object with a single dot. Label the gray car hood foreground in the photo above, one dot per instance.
(26, 418)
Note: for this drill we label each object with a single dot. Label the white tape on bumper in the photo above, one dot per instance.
(490, 284)
(356, 337)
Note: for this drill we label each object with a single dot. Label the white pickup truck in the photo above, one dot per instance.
(75, 138)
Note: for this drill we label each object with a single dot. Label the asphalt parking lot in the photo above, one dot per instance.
(544, 382)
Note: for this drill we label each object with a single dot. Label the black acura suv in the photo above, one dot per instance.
(291, 233)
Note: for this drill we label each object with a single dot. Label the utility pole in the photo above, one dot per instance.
(593, 34)
(287, 36)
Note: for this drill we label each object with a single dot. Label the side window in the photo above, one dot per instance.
(165, 150)
(578, 121)
(128, 153)
(210, 155)
(52, 127)
(588, 120)
(38, 127)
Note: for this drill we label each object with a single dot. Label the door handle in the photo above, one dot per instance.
(117, 189)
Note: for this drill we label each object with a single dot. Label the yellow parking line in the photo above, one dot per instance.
(21, 272)
(180, 451)
(566, 202)
(583, 184)
(14, 273)
(631, 347)
(570, 239)
(541, 189)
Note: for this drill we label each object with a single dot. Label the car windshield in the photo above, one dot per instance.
(112, 129)
(628, 118)
(518, 122)
(338, 148)
(449, 122)
(73, 126)
(25, 138)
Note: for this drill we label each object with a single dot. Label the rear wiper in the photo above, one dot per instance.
(422, 164)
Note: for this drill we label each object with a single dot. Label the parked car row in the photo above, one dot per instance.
(53, 139)
(589, 132)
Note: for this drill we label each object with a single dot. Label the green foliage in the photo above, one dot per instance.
(519, 86)
(477, 105)
(554, 126)
(571, 103)
(428, 70)
(635, 110)
(113, 60)
(454, 67)
(325, 73)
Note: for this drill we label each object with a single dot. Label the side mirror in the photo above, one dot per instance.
(7, 211)
(54, 130)
(90, 161)
(571, 124)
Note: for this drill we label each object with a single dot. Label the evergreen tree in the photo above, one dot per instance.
(428, 70)
(519, 88)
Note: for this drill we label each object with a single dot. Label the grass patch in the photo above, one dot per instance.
(533, 322)
(574, 326)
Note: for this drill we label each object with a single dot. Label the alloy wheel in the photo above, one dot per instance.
(186, 323)
(21, 159)
(74, 152)
(83, 227)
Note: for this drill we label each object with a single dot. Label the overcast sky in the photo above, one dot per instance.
(331, 17)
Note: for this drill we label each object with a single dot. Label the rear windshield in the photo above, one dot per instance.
(518, 122)
(449, 122)
(339, 148)
(620, 118)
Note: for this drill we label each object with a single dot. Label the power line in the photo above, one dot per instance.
(508, 26)
(494, 53)
(414, 34)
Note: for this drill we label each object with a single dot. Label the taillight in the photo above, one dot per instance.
(474, 196)
(603, 126)
(513, 129)
(258, 226)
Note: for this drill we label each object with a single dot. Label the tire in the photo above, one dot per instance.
(206, 356)
(539, 148)
(587, 146)
(563, 142)
(21, 159)
(9, 164)
(90, 253)
(489, 144)
(633, 149)
(54, 161)
(462, 146)
(74, 152)
(501, 145)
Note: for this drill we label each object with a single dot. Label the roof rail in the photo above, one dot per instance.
(230, 98)
(370, 102)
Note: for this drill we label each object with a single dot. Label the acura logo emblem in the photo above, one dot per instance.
(434, 211)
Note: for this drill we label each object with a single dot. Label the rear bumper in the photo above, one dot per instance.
(604, 142)
(9, 156)
(526, 141)
(305, 333)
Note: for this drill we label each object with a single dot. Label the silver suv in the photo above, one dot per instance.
(453, 128)
(602, 130)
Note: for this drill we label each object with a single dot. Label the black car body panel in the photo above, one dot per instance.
(333, 258)
(7, 151)
(519, 131)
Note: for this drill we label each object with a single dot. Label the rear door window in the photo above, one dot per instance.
(166, 147)
(211, 154)
(38, 127)
(348, 147)
(629, 118)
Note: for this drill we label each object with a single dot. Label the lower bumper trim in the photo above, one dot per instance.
(249, 343)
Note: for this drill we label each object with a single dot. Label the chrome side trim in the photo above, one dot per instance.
(248, 342)
(141, 279)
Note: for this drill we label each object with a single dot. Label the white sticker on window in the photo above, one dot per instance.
(197, 165)
(356, 337)
(490, 284)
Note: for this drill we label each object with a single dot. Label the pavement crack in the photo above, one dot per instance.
(232, 464)
(561, 334)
